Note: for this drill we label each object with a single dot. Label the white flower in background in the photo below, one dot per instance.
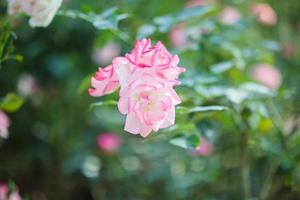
(27, 85)
(41, 12)
(4, 124)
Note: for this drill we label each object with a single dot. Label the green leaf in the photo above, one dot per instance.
(221, 67)
(108, 19)
(199, 11)
(7, 48)
(258, 89)
(166, 22)
(186, 141)
(202, 109)
(104, 103)
(11, 102)
(146, 30)
(208, 109)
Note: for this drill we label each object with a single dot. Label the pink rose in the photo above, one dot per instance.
(267, 75)
(148, 103)
(104, 82)
(4, 193)
(109, 142)
(15, 196)
(229, 15)
(264, 13)
(144, 55)
(146, 77)
(4, 124)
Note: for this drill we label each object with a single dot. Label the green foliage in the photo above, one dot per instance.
(186, 142)
(11, 102)
(6, 44)
(165, 23)
(108, 19)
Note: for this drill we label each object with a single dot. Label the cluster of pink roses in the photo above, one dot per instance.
(146, 78)
(6, 195)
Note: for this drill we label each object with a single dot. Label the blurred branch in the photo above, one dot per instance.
(245, 169)
(267, 185)
(7, 48)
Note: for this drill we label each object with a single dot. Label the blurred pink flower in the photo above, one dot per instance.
(181, 36)
(288, 49)
(146, 76)
(264, 13)
(27, 85)
(4, 124)
(4, 193)
(267, 75)
(229, 15)
(205, 148)
(15, 196)
(178, 36)
(106, 54)
(194, 3)
(109, 142)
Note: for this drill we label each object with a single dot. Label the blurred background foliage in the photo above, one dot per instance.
(248, 127)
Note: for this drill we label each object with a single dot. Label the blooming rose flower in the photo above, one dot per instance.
(267, 75)
(148, 103)
(4, 193)
(107, 53)
(146, 76)
(229, 15)
(4, 124)
(104, 82)
(144, 55)
(264, 13)
(41, 12)
(109, 142)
